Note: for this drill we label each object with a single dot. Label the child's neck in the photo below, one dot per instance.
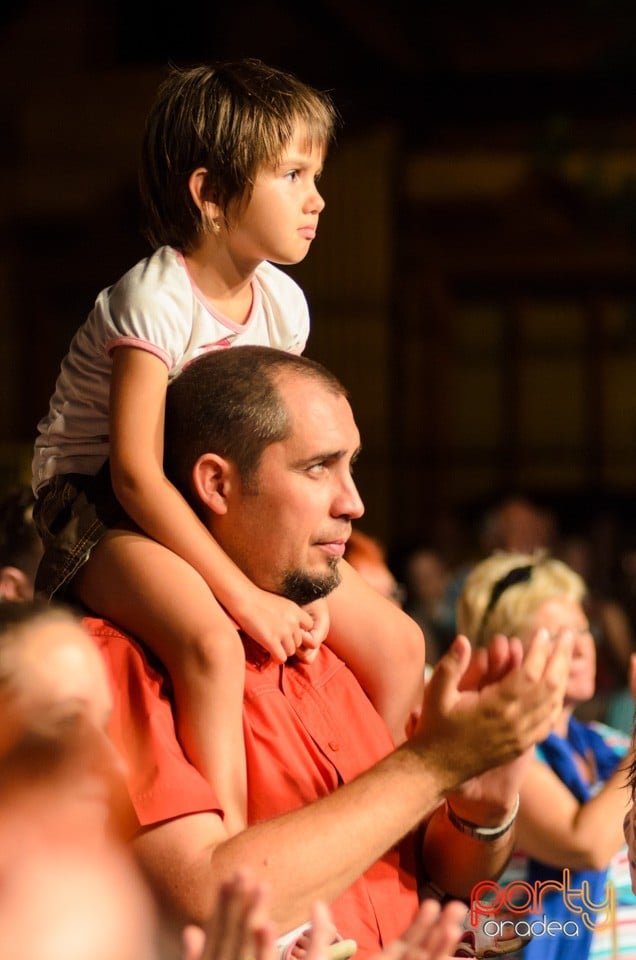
(226, 287)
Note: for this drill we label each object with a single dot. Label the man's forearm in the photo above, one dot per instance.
(320, 850)
(315, 852)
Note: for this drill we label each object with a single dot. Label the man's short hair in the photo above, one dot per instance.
(227, 402)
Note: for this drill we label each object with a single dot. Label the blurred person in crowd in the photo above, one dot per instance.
(614, 638)
(573, 797)
(73, 904)
(427, 577)
(69, 887)
(367, 555)
(55, 706)
(20, 544)
(514, 524)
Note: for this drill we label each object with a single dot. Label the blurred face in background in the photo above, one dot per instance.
(55, 704)
(557, 615)
(71, 904)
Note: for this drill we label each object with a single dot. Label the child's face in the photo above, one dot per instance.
(281, 218)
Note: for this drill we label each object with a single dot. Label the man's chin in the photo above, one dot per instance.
(303, 587)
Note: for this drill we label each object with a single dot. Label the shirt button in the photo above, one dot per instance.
(333, 745)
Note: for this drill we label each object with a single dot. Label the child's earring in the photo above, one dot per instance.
(210, 223)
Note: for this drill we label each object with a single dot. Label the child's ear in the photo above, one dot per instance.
(196, 183)
(210, 211)
(212, 482)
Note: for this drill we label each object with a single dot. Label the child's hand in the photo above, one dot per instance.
(278, 625)
(308, 651)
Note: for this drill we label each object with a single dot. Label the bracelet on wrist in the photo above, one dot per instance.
(488, 834)
(429, 890)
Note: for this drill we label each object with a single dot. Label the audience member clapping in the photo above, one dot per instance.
(573, 797)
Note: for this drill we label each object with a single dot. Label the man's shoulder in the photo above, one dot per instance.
(162, 783)
(120, 650)
(105, 633)
(98, 627)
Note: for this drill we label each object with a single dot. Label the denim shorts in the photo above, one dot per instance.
(72, 513)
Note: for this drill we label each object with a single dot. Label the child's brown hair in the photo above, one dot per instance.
(230, 118)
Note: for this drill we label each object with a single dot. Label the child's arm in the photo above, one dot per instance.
(383, 647)
(137, 412)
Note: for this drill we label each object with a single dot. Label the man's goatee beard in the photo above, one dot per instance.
(303, 587)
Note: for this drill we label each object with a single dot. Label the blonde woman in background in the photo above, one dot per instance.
(573, 799)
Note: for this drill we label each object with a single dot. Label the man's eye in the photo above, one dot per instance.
(317, 468)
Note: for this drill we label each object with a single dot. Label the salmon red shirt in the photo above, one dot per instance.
(308, 729)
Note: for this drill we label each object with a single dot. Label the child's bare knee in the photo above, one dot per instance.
(212, 650)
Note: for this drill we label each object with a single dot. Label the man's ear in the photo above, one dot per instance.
(212, 480)
(14, 584)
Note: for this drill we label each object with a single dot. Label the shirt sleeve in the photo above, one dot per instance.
(162, 784)
(150, 308)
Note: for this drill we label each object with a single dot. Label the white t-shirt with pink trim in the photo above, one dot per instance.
(155, 307)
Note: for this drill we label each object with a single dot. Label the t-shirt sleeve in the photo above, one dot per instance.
(150, 308)
(162, 784)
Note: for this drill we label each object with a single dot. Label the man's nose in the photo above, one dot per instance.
(348, 502)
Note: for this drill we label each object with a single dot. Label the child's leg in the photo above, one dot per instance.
(159, 598)
(381, 645)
